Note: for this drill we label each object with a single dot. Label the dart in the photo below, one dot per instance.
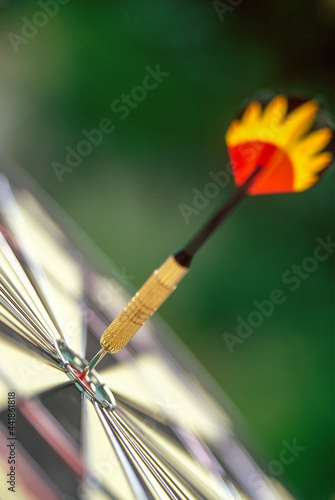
(280, 147)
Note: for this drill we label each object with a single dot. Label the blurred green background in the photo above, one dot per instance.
(63, 78)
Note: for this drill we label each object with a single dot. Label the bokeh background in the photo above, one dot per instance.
(126, 193)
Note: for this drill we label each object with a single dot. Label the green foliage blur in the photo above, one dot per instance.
(126, 193)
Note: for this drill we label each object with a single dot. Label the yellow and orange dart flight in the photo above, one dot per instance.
(277, 148)
(288, 146)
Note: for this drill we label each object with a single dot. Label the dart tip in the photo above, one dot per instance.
(94, 361)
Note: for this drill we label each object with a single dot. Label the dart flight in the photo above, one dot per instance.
(288, 146)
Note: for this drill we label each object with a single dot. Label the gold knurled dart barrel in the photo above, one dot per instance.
(145, 302)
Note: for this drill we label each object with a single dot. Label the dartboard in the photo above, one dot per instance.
(147, 424)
